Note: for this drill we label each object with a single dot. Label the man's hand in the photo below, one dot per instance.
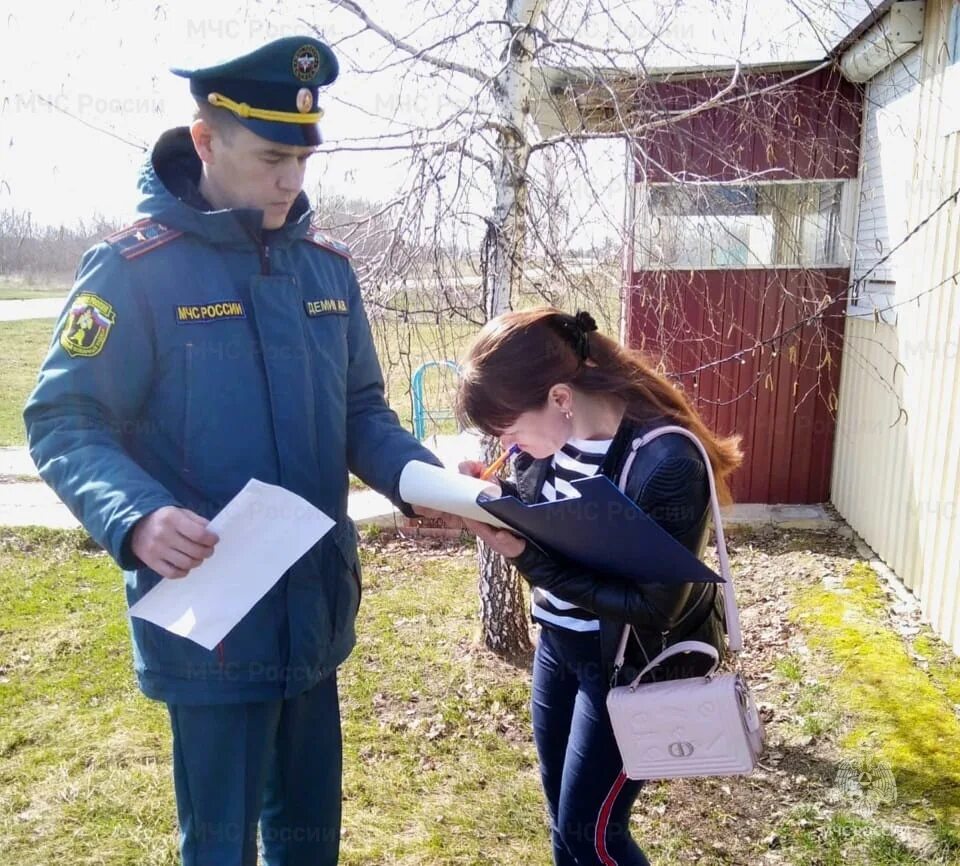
(172, 540)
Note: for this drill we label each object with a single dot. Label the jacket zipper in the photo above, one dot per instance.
(188, 391)
(693, 607)
(264, 260)
(264, 271)
(687, 615)
(664, 634)
(264, 250)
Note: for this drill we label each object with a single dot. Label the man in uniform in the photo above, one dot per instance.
(218, 339)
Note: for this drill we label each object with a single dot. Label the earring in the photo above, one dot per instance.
(568, 415)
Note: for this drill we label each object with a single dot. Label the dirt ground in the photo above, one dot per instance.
(793, 809)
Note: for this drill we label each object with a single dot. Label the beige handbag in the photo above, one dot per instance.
(698, 726)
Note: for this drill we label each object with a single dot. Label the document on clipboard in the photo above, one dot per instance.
(600, 528)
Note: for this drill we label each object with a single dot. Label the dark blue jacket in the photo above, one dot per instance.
(668, 481)
(209, 353)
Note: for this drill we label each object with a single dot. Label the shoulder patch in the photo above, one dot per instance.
(87, 325)
(142, 237)
(318, 238)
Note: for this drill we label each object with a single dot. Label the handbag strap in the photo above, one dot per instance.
(684, 646)
(731, 611)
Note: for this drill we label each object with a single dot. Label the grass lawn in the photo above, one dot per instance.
(19, 289)
(439, 764)
(402, 347)
(25, 293)
(23, 346)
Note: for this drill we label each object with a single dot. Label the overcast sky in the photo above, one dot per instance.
(104, 63)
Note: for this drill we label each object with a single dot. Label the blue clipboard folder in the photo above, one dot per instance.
(605, 531)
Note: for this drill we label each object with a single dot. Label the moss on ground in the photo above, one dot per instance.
(905, 717)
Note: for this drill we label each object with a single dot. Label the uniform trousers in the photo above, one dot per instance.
(274, 763)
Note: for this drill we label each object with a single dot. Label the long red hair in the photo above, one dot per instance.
(519, 356)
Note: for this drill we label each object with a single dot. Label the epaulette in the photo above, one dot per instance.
(317, 237)
(142, 237)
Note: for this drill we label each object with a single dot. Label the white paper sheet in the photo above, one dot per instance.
(447, 490)
(263, 530)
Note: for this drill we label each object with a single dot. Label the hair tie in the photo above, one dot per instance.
(585, 321)
(577, 328)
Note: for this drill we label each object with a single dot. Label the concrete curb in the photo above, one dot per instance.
(756, 515)
(32, 503)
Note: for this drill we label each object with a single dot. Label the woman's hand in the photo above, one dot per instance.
(474, 468)
(471, 467)
(502, 541)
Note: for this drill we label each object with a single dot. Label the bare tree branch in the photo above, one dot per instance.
(418, 54)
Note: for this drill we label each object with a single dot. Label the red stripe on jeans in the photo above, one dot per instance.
(600, 839)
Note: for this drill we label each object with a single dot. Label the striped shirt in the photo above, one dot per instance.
(578, 458)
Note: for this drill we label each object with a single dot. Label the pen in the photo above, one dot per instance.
(497, 464)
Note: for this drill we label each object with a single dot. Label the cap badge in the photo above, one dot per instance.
(306, 63)
(304, 100)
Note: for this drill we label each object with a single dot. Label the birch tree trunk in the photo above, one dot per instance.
(503, 612)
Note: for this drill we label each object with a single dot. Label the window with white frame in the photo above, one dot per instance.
(703, 226)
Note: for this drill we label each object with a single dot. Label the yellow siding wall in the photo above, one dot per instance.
(897, 482)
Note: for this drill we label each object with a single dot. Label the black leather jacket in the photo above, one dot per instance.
(668, 480)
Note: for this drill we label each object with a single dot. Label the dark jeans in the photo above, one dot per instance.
(277, 763)
(588, 795)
